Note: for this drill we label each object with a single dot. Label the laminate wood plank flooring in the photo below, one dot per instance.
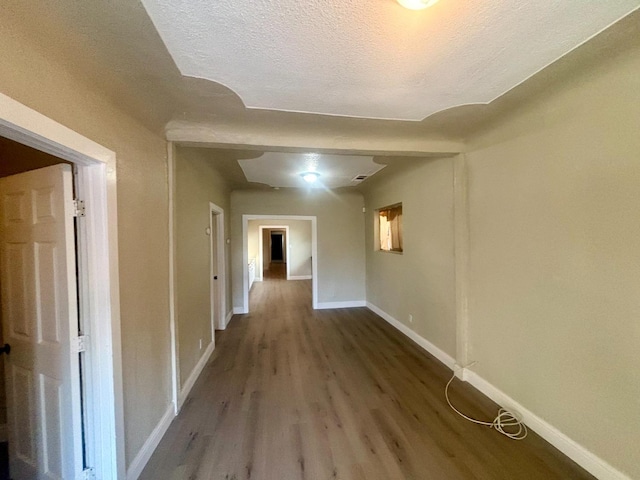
(275, 271)
(293, 393)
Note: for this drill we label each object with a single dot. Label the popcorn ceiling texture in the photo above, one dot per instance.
(373, 58)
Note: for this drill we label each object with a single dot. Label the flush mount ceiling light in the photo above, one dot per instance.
(310, 177)
(416, 4)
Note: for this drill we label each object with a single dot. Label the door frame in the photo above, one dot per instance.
(245, 254)
(98, 232)
(261, 229)
(218, 309)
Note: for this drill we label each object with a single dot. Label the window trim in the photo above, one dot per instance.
(376, 229)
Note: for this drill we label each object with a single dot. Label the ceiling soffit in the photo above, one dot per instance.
(374, 59)
(281, 169)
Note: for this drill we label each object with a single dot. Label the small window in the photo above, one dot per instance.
(390, 228)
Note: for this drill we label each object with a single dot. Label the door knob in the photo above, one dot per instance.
(215, 277)
(6, 349)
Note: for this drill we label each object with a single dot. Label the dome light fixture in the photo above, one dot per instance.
(310, 177)
(416, 4)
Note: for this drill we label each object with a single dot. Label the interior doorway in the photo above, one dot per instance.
(40, 319)
(265, 250)
(217, 269)
(97, 261)
(16, 163)
(277, 239)
(273, 222)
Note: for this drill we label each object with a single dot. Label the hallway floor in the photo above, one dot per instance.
(292, 393)
(275, 271)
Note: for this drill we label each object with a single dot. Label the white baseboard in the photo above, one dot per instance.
(4, 433)
(300, 277)
(579, 454)
(195, 373)
(576, 452)
(228, 319)
(348, 304)
(239, 311)
(444, 357)
(143, 456)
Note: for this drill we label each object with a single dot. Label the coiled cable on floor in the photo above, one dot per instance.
(506, 422)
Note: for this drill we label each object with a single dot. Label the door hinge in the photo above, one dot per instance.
(78, 208)
(80, 343)
(88, 474)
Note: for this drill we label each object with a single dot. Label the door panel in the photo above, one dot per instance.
(14, 282)
(47, 320)
(22, 390)
(40, 318)
(51, 391)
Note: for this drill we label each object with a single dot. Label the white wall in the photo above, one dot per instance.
(299, 245)
(341, 258)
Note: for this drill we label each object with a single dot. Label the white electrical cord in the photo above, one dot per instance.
(505, 419)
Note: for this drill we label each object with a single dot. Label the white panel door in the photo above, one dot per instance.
(39, 321)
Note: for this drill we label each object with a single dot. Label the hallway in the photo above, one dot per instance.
(275, 271)
(292, 393)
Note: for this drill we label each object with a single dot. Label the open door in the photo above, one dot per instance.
(215, 274)
(217, 269)
(40, 323)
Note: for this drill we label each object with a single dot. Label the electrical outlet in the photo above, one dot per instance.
(410, 318)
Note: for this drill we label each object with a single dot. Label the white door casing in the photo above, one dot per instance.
(217, 268)
(98, 235)
(40, 318)
(213, 275)
(245, 256)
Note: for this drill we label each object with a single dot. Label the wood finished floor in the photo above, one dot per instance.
(292, 393)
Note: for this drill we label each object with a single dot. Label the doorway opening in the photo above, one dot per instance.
(274, 238)
(277, 239)
(15, 160)
(97, 272)
(291, 239)
(217, 269)
(40, 319)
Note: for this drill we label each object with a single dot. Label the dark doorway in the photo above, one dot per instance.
(277, 246)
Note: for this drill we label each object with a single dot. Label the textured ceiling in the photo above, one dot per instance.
(279, 169)
(115, 47)
(373, 58)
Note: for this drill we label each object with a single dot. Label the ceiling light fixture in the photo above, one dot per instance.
(310, 177)
(416, 4)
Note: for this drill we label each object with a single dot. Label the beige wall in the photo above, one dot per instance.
(420, 281)
(340, 222)
(554, 279)
(555, 257)
(31, 76)
(299, 245)
(197, 184)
